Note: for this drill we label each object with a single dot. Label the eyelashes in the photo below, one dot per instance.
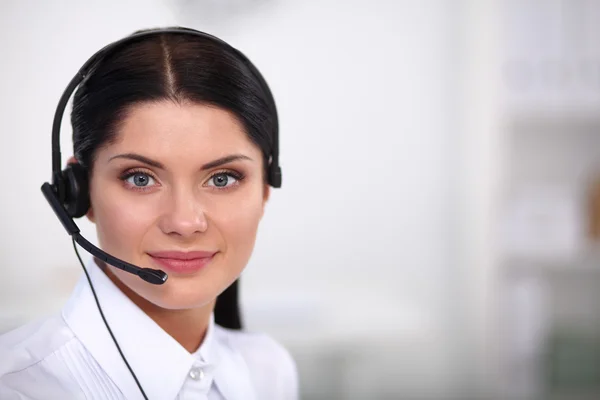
(143, 180)
(224, 178)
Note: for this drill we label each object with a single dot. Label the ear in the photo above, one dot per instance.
(90, 215)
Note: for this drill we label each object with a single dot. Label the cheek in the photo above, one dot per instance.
(121, 222)
(238, 220)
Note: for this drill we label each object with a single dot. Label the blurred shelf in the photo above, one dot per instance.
(571, 119)
(586, 261)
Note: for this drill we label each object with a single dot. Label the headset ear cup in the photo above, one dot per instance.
(77, 194)
(275, 176)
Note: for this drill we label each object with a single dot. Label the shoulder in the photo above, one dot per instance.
(269, 361)
(27, 352)
(32, 343)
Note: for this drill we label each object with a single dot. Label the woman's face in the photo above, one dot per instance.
(179, 178)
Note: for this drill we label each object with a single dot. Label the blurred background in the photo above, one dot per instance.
(436, 236)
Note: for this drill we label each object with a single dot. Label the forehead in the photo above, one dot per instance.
(179, 132)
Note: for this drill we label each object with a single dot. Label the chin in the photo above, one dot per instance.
(173, 295)
(180, 298)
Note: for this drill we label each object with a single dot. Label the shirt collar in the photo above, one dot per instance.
(232, 377)
(160, 363)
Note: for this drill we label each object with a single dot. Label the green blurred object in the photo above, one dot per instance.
(573, 362)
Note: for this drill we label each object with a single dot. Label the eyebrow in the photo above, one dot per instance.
(212, 164)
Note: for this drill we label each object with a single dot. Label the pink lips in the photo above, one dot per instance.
(182, 262)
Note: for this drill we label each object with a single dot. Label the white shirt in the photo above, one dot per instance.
(72, 356)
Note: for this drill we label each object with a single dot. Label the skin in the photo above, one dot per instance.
(180, 206)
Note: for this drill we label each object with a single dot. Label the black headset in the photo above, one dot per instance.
(68, 194)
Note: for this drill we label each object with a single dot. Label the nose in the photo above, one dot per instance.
(184, 216)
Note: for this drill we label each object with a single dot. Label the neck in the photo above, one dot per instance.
(188, 327)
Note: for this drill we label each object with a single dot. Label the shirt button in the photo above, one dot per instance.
(196, 374)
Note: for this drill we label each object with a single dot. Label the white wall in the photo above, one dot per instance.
(44, 43)
(356, 260)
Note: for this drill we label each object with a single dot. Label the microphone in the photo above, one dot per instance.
(154, 276)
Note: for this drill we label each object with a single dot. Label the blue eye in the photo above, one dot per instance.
(140, 179)
(222, 179)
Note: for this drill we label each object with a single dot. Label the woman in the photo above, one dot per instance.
(174, 132)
